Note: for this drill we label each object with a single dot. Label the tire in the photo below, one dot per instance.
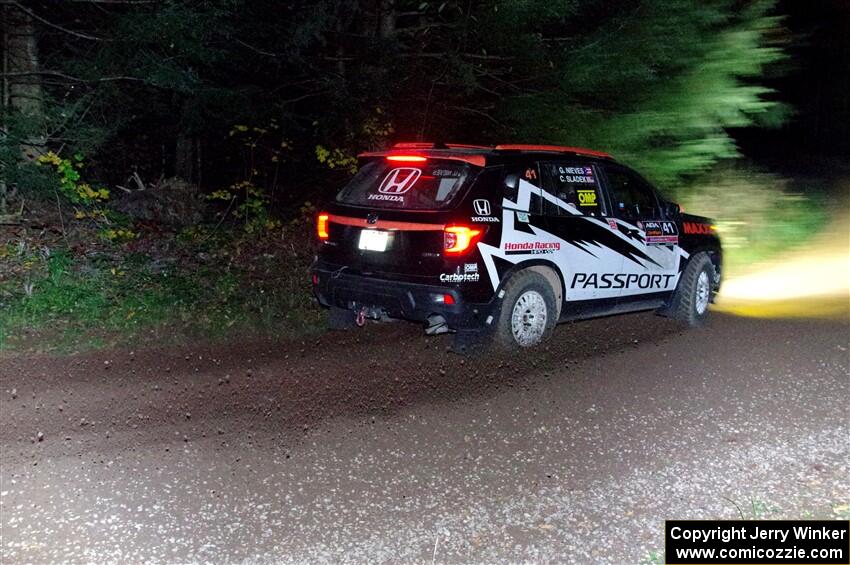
(341, 319)
(693, 293)
(527, 313)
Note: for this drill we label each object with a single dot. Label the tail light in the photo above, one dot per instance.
(458, 239)
(322, 226)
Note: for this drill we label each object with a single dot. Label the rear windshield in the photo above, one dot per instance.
(430, 185)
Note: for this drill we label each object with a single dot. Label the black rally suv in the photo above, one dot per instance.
(504, 242)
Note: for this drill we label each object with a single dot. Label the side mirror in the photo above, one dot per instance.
(511, 182)
(673, 209)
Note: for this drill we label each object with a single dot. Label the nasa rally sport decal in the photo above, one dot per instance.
(660, 232)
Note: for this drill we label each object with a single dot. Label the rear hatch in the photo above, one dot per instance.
(389, 220)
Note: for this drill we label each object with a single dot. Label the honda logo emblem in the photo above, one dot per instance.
(399, 181)
(482, 207)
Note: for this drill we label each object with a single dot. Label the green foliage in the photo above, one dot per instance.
(253, 208)
(263, 150)
(121, 297)
(336, 159)
(70, 181)
(758, 215)
(657, 84)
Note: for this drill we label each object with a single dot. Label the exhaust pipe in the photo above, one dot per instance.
(436, 325)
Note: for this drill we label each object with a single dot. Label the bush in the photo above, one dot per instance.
(205, 289)
(757, 214)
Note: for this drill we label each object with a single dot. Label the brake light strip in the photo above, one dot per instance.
(385, 224)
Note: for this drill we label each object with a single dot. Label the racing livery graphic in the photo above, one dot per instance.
(501, 243)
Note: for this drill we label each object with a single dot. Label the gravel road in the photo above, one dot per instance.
(379, 446)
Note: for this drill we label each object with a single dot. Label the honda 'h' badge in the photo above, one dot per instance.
(482, 207)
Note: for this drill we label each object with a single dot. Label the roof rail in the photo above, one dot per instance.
(551, 148)
(431, 145)
(413, 145)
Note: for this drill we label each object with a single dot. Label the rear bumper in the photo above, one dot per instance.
(410, 301)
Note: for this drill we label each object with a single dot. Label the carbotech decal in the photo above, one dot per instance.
(459, 277)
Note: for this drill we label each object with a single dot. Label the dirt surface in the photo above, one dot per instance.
(379, 446)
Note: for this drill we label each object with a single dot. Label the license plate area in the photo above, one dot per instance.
(373, 240)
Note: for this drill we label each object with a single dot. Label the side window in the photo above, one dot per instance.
(527, 172)
(632, 198)
(575, 185)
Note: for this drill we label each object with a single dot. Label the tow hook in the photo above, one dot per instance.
(360, 319)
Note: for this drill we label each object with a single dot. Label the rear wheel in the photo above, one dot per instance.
(528, 309)
(693, 294)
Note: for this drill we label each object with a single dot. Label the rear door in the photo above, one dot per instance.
(652, 265)
(389, 219)
(576, 212)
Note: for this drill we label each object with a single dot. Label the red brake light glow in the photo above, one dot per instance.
(407, 158)
(458, 239)
(322, 226)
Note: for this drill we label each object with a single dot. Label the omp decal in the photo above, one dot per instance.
(470, 267)
(586, 197)
(621, 280)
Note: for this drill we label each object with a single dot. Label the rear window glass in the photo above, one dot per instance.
(430, 185)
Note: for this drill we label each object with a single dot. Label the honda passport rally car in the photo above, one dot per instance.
(504, 242)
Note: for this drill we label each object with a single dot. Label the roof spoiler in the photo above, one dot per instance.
(552, 149)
